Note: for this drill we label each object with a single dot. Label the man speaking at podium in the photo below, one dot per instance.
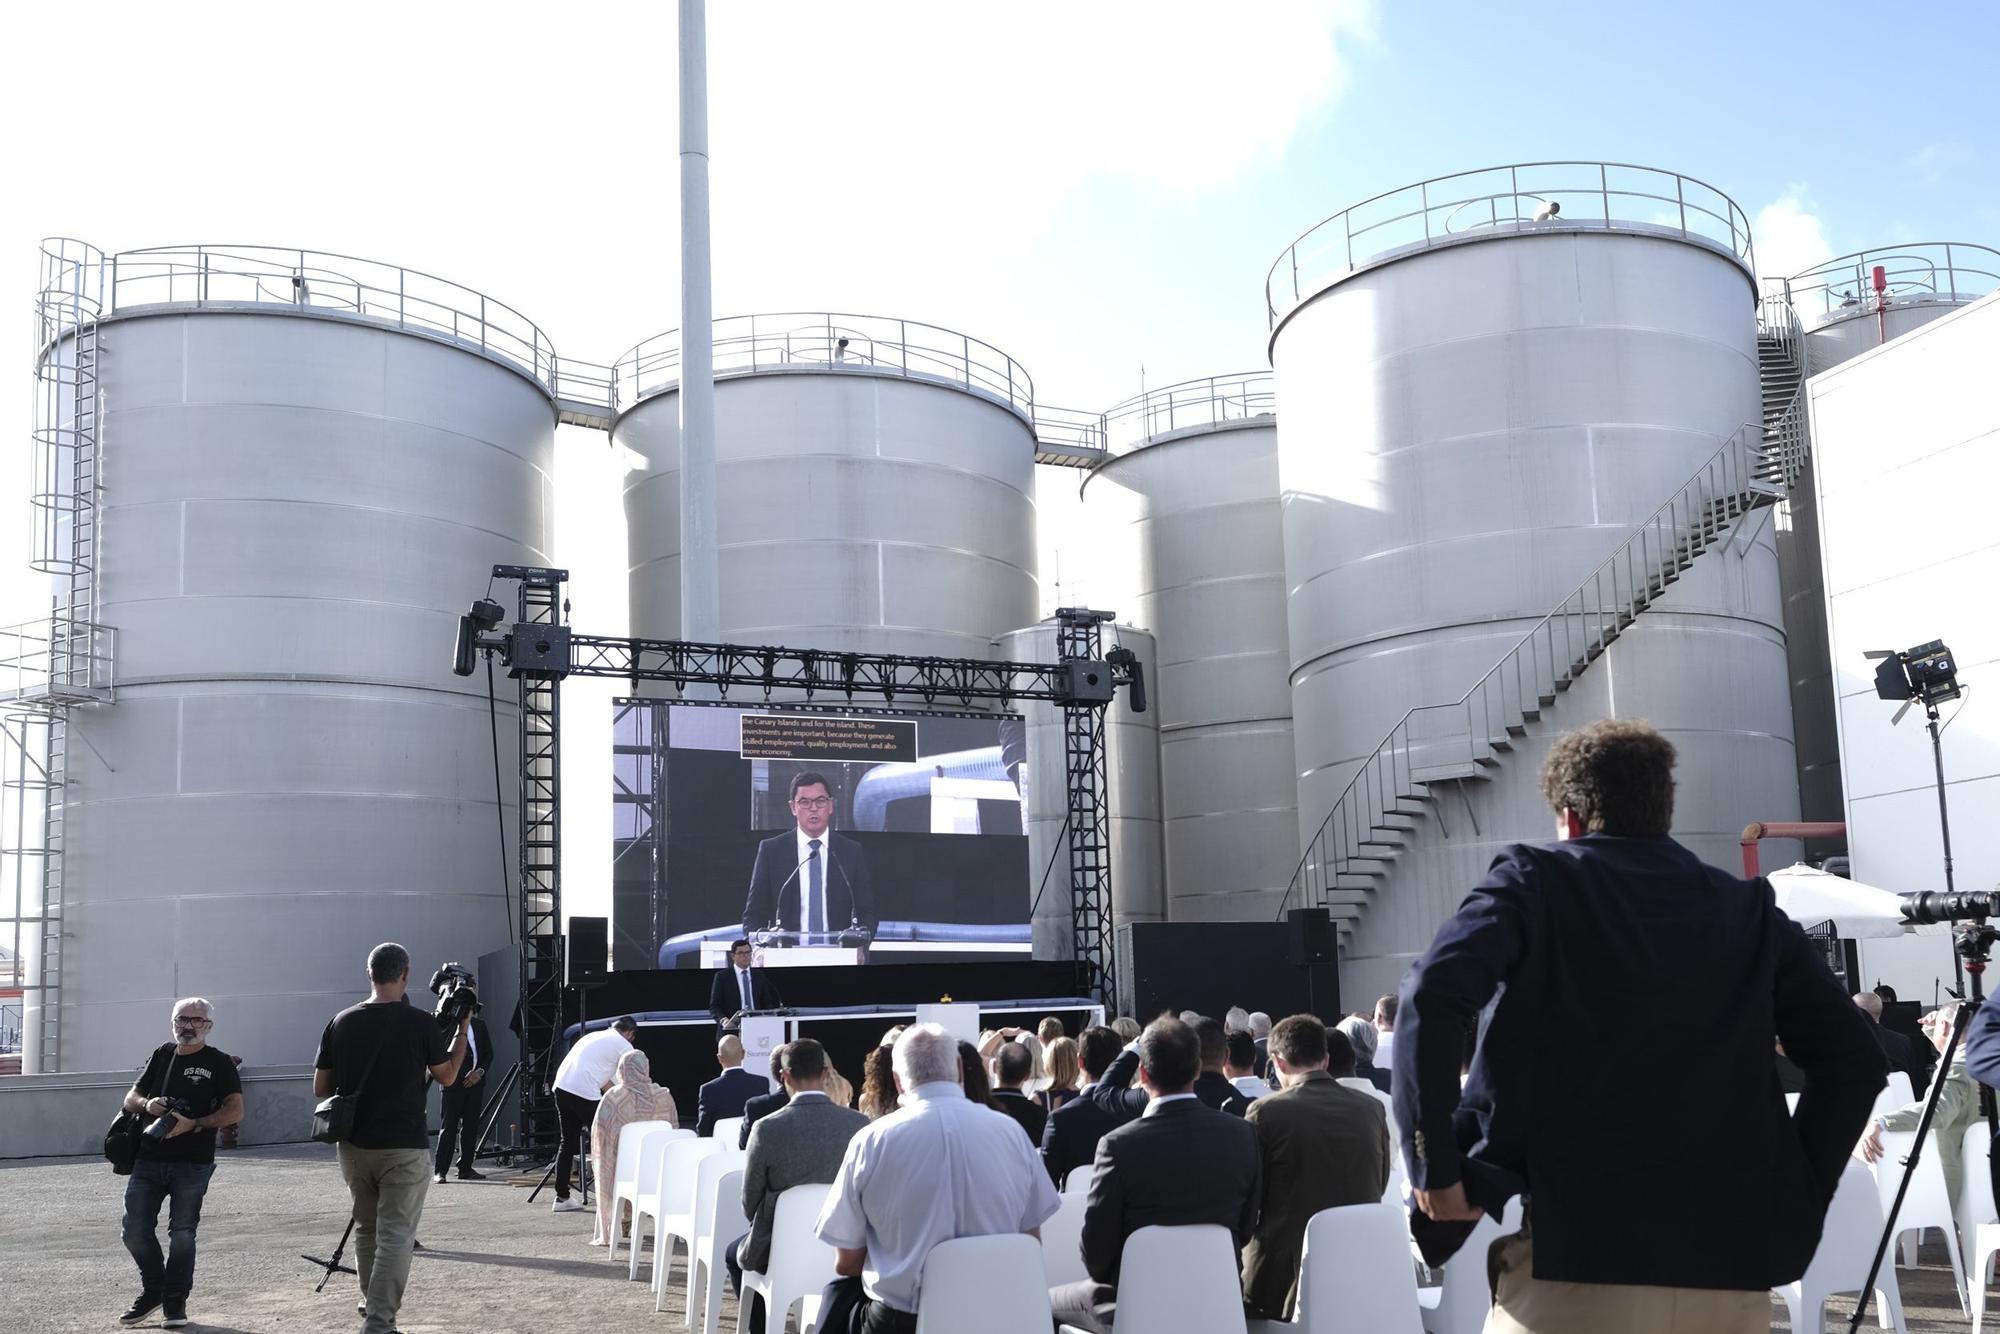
(739, 987)
(810, 879)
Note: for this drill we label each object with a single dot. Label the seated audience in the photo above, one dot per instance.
(1958, 1107)
(1895, 1047)
(1069, 1140)
(1126, 1027)
(764, 1104)
(1012, 1067)
(838, 1089)
(1049, 1029)
(1179, 1163)
(725, 1095)
(1385, 1030)
(878, 1085)
(798, 1144)
(939, 1169)
(1322, 1146)
(1260, 1033)
(1240, 1065)
(633, 1096)
(1063, 1071)
(977, 1083)
(1360, 1034)
(1213, 1086)
(1236, 1020)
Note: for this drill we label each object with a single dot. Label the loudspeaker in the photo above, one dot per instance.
(589, 950)
(1309, 936)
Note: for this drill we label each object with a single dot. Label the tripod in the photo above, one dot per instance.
(1973, 945)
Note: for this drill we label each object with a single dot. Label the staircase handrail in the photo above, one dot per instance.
(1649, 552)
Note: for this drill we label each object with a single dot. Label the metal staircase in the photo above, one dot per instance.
(1390, 805)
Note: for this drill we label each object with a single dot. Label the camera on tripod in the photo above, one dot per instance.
(1924, 909)
(452, 985)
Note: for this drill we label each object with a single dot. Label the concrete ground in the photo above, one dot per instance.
(494, 1264)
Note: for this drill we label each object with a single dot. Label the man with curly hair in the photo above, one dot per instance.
(1623, 1082)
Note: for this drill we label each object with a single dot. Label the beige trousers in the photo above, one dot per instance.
(1524, 1304)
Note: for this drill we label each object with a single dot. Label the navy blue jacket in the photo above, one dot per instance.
(1982, 1044)
(1625, 1072)
(1069, 1140)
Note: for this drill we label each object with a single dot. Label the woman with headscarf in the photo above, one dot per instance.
(632, 1097)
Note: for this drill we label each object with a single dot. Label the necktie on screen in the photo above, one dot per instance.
(743, 982)
(815, 898)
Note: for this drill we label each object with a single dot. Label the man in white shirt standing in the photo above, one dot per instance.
(590, 1068)
(939, 1169)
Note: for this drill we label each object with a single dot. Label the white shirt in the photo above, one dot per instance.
(1250, 1086)
(803, 844)
(592, 1063)
(939, 1169)
(1164, 1099)
(1383, 1042)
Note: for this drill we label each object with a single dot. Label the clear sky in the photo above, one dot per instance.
(1092, 188)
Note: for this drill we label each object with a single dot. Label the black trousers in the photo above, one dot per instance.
(735, 1267)
(845, 1308)
(462, 1106)
(575, 1115)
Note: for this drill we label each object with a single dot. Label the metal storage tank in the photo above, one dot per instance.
(311, 464)
(1132, 768)
(874, 485)
(1844, 316)
(1193, 482)
(1483, 396)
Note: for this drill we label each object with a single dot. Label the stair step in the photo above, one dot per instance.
(1521, 728)
(1455, 773)
(1394, 844)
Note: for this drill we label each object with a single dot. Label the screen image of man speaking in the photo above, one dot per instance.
(810, 879)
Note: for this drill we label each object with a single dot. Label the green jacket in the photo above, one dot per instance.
(1958, 1107)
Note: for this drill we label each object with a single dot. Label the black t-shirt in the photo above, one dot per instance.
(403, 1042)
(202, 1080)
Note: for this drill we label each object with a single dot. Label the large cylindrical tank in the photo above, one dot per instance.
(304, 485)
(1132, 772)
(1479, 408)
(1844, 316)
(1192, 490)
(874, 485)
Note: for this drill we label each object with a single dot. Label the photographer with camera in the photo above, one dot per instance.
(462, 1102)
(188, 1090)
(377, 1053)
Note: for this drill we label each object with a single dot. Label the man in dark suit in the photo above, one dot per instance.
(1619, 942)
(1013, 1066)
(1069, 1140)
(1896, 1048)
(1323, 1145)
(463, 1100)
(725, 1095)
(1179, 1163)
(1212, 1086)
(764, 1104)
(800, 1144)
(740, 987)
(810, 878)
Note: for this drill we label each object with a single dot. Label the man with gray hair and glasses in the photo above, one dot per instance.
(187, 1091)
(938, 1169)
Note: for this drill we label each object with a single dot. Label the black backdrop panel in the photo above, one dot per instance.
(1210, 966)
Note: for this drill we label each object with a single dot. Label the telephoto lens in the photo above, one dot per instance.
(1925, 909)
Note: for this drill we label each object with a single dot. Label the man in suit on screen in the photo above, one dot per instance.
(809, 878)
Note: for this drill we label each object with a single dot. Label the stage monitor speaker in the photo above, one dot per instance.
(589, 950)
(1309, 936)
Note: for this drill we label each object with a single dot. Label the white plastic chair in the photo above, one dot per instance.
(1895, 1095)
(1393, 1191)
(1179, 1278)
(1927, 1205)
(1062, 1242)
(800, 1265)
(1078, 1180)
(652, 1143)
(645, 1189)
(983, 1285)
(1354, 1274)
(707, 1171)
(1461, 1302)
(673, 1204)
(1846, 1247)
(725, 1223)
(625, 1170)
(728, 1130)
(1978, 1224)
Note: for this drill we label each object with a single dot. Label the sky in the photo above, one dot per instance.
(1096, 189)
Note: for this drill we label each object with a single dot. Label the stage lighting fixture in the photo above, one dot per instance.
(1926, 674)
(485, 614)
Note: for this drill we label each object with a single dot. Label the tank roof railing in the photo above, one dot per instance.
(244, 275)
(1213, 400)
(838, 341)
(1951, 270)
(1449, 209)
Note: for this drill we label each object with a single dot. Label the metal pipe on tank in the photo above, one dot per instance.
(701, 599)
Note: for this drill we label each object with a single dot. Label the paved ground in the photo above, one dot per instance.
(495, 1264)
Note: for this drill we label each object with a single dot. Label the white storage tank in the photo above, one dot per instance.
(1489, 380)
(310, 465)
(1192, 492)
(874, 485)
(1844, 313)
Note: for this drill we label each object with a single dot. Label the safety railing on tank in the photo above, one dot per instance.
(1458, 740)
(1214, 400)
(1527, 196)
(57, 660)
(815, 340)
(1947, 270)
(231, 275)
(1071, 430)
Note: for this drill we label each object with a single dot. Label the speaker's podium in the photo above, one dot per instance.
(809, 949)
(761, 1034)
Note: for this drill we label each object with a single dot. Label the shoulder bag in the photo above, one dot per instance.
(121, 1141)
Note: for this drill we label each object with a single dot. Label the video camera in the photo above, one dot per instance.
(452, 985)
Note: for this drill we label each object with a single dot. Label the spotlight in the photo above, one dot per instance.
(1926, 673)
(485, 614)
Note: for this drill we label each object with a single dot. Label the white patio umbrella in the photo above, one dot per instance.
(1810, 896)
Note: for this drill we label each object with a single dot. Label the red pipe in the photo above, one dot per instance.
(1752, 833)
(1881, 277)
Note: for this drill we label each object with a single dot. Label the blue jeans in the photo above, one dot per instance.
(151, 1183)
